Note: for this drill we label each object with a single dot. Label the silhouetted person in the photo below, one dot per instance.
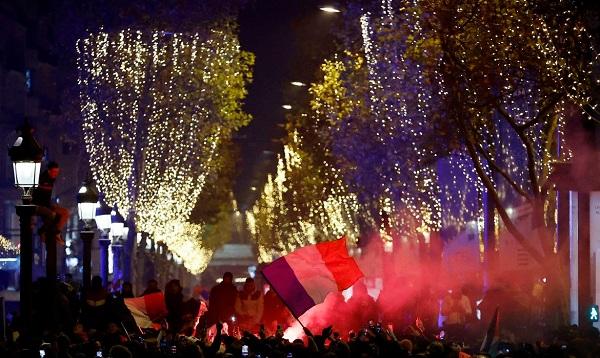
(96, 307)
(192, 306)
(456, 307)
(127, 290)
(55, 217)
(174, 302)
(361, 305)
(221, 303)
(249, 306)
(151, 287)
(275, 312)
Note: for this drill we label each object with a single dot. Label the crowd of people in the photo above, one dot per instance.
(254, 322)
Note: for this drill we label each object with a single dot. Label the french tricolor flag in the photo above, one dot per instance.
(306, 276)
(147, 309)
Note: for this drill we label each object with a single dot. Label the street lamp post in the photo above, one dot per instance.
(117, 229)
(87, 204)
(26, 155)
(103, 221)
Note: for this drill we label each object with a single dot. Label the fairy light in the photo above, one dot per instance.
(282, 218)
(7, 248)
(374, 112)
(185, 239)
(392, 72)
(155, 108)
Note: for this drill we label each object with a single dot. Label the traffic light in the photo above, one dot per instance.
(593, 313)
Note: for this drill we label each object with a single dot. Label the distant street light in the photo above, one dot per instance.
(103, 221)
(117, 222)
(329, 9)
(87, 204)
(117, 230)
(298, 83)
(286, 106)
(26, 155)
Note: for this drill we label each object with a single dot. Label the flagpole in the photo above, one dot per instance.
(288, 307)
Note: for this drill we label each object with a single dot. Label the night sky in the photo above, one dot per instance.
(289, 39)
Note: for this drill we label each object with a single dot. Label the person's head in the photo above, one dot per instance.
(173, 287)
(63, 342)
(249, 285)
(112, 328)
(228, 277)
(127, 288)
(457, 293)
(197, 291)
(152, 284)
(78, 328)
(119, 351)
(407, 345)
(53, 170)
(96, 283)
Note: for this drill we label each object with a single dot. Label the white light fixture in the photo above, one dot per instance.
(103, 218)
(298, 83)
(329, 9)
(26, 155)
(286, 106)
(87, 201)
(116, 222)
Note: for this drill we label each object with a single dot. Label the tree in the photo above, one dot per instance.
(509, 69)
(156, 108)
(303, 203)
(509, 72)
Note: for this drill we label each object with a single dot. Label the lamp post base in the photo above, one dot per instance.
(25, 213)
(104, 243)
(87, 237)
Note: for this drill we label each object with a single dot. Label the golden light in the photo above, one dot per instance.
(155, 107)
(329, 9)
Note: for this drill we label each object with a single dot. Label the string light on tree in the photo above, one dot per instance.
(155, 107)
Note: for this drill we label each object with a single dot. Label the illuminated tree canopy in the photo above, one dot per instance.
(436, 104)
(508, 71)
(155, 108)
(305, 202)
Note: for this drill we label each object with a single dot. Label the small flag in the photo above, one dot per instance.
(147, 309)
(492, 337)
(304, 277)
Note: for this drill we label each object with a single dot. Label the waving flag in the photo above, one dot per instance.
(147, 309)
(304, 277)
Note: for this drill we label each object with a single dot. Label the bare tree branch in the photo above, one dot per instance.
(510, 226)
(533, 179)
(543, 111)
(492, 163)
